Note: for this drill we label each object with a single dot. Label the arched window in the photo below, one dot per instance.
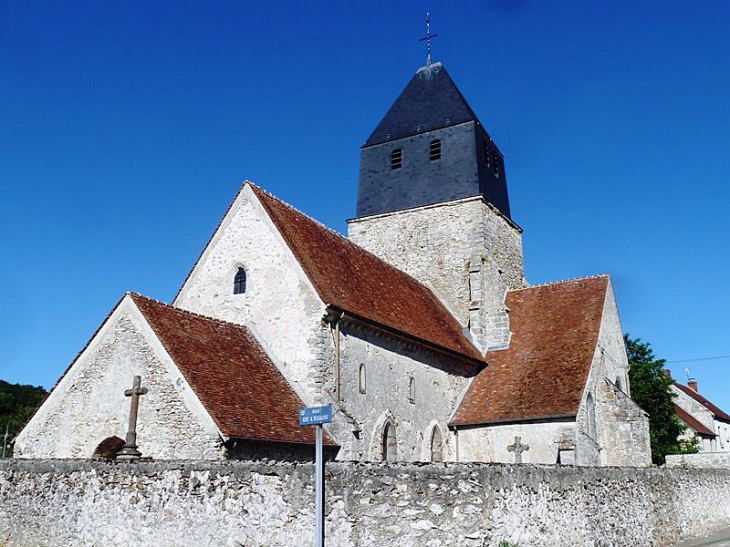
(239, 282)
(437, 445)
(390, 451)
(396, 159)
(362, 379)
(619, 383)
(434, 150)
(412, 390)
(591, 411)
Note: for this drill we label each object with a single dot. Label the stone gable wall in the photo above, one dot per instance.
(279, 305)
(89, 404)
(49, 503)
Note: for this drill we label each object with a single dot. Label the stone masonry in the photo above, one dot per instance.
(50, 503)
(468, 252)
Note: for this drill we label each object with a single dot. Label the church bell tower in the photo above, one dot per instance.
(429, 148)
(432, 201)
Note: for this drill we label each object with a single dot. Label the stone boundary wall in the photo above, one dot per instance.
(47, 503)
(703, 460)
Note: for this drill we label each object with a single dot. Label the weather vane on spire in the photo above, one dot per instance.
(427, 38)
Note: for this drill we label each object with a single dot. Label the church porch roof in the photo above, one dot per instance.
(351, 279)
(232, 376)
(544, 371)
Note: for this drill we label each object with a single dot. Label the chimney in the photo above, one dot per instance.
(692, 383)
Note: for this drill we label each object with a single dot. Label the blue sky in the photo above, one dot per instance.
(127, 128)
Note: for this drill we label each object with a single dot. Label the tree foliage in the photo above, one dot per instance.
(651, 389)
(17, 403)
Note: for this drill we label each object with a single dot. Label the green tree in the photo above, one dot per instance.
(17, 403)
(651, 390)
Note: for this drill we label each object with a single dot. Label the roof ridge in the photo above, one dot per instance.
(569, 280)
(210, 239)
(347, 240)
(189, 312)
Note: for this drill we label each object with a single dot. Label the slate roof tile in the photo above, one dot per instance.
(545, 369)
(430, 101)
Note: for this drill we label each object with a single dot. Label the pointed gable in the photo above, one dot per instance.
(347, 277)
(544, 371)
(230, 373)
(430, 101)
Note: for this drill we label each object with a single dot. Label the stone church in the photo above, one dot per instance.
(419, 328)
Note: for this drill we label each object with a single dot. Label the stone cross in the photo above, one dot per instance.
(129, 450)
(518, 448)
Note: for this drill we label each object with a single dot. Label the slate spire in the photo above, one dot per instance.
(429, 148)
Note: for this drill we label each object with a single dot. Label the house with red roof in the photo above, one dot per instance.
(419, 328)
(705, 420)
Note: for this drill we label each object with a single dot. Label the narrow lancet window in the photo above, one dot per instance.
(239, 282)
(412, 390)
(437, 446)
(390, 452)
(396, 159)
(362, 379)
(434, 150)
(619, 383)
(591, 408)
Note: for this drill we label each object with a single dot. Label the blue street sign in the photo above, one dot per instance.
(315, 415)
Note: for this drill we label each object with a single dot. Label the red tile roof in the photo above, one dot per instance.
(717, 411)
(687, 418)
(234, 379)
(544, 371)
(356, 281)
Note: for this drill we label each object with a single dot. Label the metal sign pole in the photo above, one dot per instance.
(316, 416)
(319, 494)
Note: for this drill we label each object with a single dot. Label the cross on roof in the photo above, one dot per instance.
(427, 38)
(518, 448)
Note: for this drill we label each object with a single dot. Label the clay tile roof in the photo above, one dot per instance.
(717, 411)
(234, 379)
(356, 281)
(544, 371)
(690, 420)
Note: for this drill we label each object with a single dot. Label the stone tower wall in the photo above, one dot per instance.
(465, 250)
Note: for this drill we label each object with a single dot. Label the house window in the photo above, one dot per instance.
(396, 159)
(239, 282)
(437, 445)
(362, 379)
(434, 150)
(412, 390)
(390, 448)
(591, 411)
